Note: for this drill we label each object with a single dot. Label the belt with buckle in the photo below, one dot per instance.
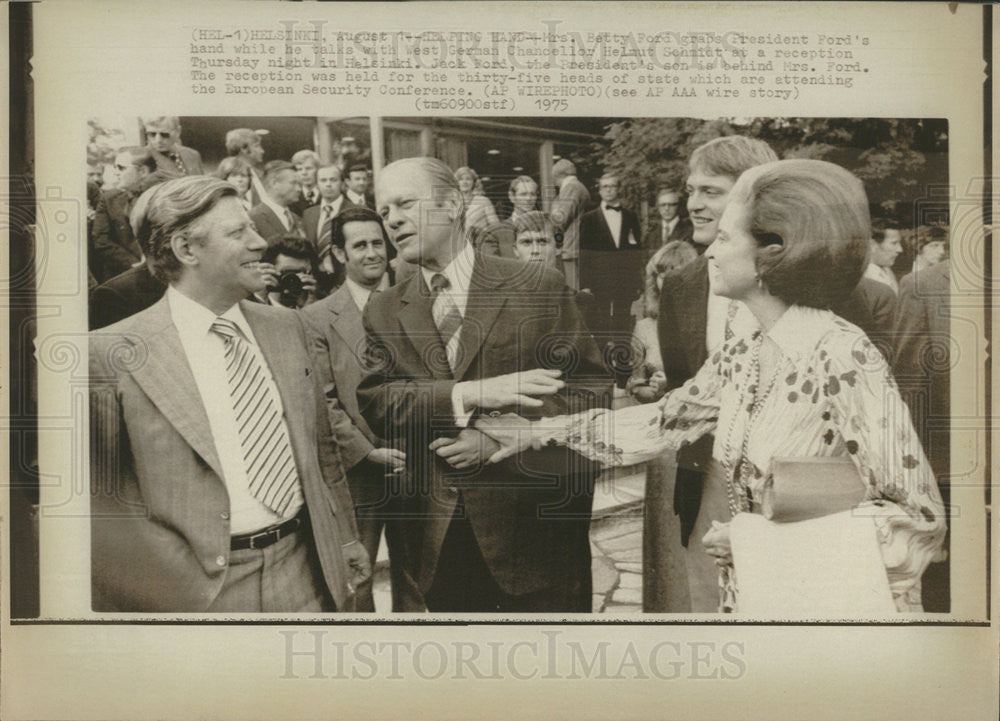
(266, 537)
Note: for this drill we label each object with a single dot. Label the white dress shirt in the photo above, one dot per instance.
(356, 199)
(614, 220)
(882, 275)
(668, 227)
(360, 294)
(205, 353)
(459, 275)
(279, 210)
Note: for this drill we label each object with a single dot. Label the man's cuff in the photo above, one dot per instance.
(462, 416)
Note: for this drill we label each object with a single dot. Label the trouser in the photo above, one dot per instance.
(463, 582)
(283, 577)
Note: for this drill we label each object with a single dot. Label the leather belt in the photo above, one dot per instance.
(268, 536)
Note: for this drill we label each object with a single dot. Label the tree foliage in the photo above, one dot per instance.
(899, 160)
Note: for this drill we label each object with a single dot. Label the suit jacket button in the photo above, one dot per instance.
(220, 560)
(224, 515)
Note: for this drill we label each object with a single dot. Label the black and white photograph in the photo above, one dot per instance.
(465, 366)
(477, 360)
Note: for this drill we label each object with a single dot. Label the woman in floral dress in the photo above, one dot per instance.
(792, 242)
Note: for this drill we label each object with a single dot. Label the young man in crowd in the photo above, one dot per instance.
(306, 163)
(357, 186)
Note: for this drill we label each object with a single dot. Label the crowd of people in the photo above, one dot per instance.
(286, 369)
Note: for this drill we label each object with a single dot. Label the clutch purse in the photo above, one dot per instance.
(807, 487)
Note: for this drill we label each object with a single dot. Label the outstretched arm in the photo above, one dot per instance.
(625, 436)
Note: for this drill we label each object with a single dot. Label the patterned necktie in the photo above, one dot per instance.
(326, 231)
(447, 316)
(267, 453)
(176, 157)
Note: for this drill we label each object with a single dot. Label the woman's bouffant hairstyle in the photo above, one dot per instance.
(810, 220)
(232, 165)
(174, 207)
(477, 184)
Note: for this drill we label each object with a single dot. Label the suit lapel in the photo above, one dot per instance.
(605, 228)
(167, 380)
(481, 313)
(346, 320)
(276, 341)
(417, 321)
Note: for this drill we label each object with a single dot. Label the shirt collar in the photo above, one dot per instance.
(360, 294)
(458, 271)
(799, 329)
(334, 204)
(280, 211)
(356, 198)
(194, 321)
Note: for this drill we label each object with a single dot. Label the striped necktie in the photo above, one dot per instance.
(267, 453)
(447, 316)
(326, 231)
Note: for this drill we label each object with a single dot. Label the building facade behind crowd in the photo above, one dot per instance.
(612, 258)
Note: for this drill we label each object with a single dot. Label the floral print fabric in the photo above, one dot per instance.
(833, 395)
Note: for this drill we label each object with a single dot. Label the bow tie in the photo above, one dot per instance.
(616, 208)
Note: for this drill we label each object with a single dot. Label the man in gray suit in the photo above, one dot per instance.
(215, 482)
(567, 210)
(359, 243)
(273, 215)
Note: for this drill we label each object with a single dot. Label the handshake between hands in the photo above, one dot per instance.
(499, 435)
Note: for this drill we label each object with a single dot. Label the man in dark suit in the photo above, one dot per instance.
(115, 249)
(922, 367)
(272, 215)
(443, 344)
(668, 226)
(173, 160)
(357, 186)
(318, 220)
(567, 210)
(338, 343)
(306, 163)
(215, 482)
(611, 259)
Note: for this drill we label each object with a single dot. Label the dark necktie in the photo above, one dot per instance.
(447, 316)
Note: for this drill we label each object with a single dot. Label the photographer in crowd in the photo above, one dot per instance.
(289, 270)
